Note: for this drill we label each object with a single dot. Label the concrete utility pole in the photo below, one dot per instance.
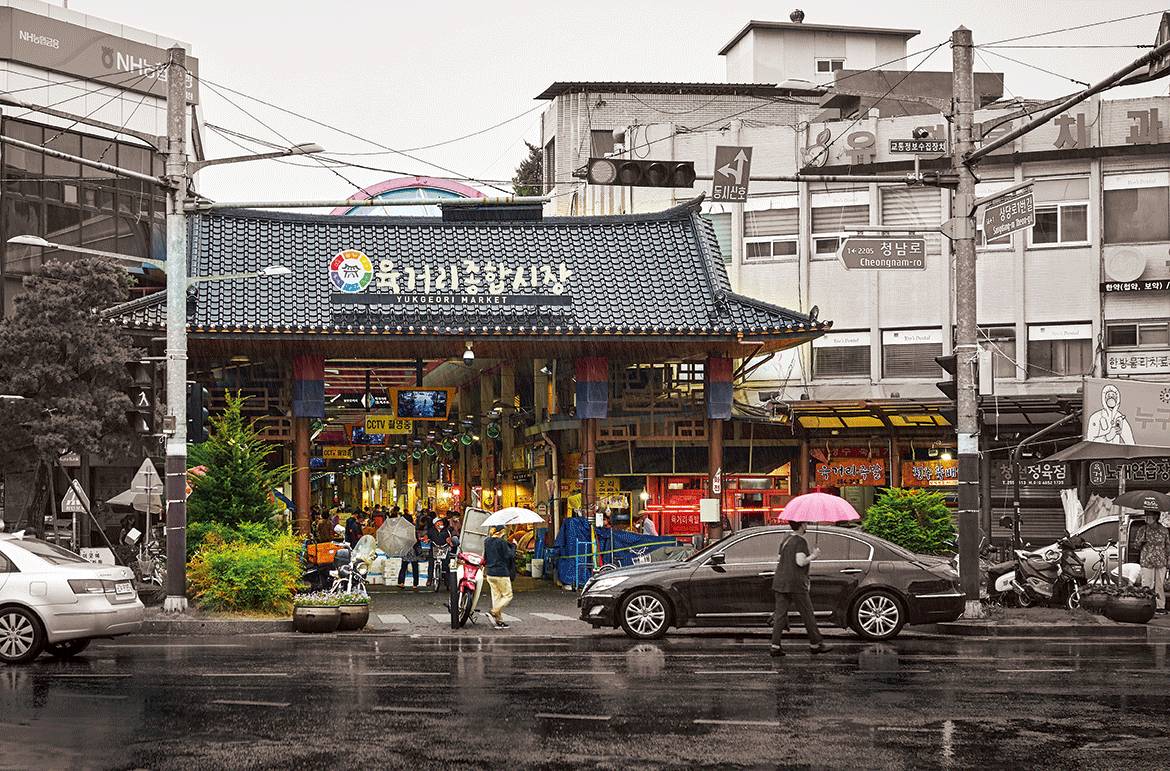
(966, 343)
(176, 461)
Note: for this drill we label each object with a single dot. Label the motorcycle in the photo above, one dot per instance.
(350, 568)
(470, 577)
(437, 577)
(1053, 577)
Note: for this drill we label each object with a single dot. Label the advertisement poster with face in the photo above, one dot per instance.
(1127, 412)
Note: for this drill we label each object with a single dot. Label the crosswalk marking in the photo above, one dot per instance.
(442, 618)
(392, 618)
(550, 616)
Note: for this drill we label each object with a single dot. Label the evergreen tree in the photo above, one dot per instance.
(69, 365)
(529, 179)
(237, 483)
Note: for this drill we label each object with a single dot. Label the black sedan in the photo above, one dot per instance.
(861, 582)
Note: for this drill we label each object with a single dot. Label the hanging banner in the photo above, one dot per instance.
(852, 472)
(930, 473)
(1127, 412)
(386, 424)
(336, 453)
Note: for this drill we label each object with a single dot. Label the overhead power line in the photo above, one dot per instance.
(994, 52)
(1070, 29)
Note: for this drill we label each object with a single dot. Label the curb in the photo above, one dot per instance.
(983, 629)
(224, 627)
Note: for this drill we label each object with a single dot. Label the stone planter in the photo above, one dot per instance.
(316, 619)
(1094, 602)
(353, 617)
(1130, 610)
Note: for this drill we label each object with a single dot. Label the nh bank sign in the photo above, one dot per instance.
(71, 49)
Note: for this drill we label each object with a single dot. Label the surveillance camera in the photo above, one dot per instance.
(469, 357)
(920, 133)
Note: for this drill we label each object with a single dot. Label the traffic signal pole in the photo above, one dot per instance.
(176, 443)
(966, 343)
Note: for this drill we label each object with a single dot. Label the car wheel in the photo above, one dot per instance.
(645, 615)
(64, 650)
(877, 616)
(21, 637)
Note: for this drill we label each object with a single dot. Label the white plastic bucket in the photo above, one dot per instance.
(537, 568)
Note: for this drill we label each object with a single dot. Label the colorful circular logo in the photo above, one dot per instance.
(350, 271)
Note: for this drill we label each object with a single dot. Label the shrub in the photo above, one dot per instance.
(320, 600)
(237, 575)
(914, 519)
(246, 532)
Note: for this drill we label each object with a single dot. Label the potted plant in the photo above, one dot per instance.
(316, 612)
(1130, 604)
(1094, 597)
(355, 611)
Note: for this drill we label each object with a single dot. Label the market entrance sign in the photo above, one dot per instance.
(733, 166)
(1004, 217)
(904, 253)
(358, 280)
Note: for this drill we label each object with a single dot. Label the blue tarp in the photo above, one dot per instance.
(574, 562)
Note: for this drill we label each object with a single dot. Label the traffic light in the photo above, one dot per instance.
(950, 387)
(636, 173)
(143, 396)
(198, 398)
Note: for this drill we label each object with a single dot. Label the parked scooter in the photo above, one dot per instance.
(1051, 578)
(470, 576)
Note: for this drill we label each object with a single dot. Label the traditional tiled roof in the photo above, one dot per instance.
(647, 274)
(148, 312)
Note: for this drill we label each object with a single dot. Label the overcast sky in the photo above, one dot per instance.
(412, 74)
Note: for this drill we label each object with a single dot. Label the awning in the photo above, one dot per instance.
(1105, 451)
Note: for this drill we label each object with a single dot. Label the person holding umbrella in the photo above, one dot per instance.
(790, 584)
(1154, 541)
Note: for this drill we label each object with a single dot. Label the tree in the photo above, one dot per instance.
(914, 519)
(237, 482)
(529, 179)
(69, 365)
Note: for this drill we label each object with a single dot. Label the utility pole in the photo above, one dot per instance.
(176, 442)
(966, 344)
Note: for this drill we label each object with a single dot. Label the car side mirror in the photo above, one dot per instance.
(719, 558)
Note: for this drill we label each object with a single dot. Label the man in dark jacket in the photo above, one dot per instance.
(500, 557)
(791, 588)
(353, 529)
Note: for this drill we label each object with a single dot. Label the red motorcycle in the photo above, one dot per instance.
(469, 576)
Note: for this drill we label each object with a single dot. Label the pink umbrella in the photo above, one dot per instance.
(819, 507)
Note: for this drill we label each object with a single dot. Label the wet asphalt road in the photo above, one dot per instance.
(590, 700)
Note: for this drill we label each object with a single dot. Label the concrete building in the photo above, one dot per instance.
(98, 93)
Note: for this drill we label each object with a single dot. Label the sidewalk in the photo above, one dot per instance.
(1048, 622)
(538, 608)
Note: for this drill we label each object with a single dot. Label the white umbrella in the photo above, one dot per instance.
(140, 501)
(513, 515)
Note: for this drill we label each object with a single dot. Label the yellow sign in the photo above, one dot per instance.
(336, 453)
(386, 424)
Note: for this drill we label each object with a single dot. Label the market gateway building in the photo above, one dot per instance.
(514, 359)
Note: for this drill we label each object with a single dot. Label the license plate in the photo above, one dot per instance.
(124, 587)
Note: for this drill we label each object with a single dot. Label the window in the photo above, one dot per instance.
(1137, 207)
(549, 167)
(829, 66)
(50, 553)
(1147, 334)
(1003, 242)
(835, 547)
(760, 249)
(6, 565)
(1065, 223)
(1060, 349)
(600, 142)
(754, 548)
(831, 223)
(1100, 534)
(1002, 342)
(909, 353)
(841, 354)
(721, 224)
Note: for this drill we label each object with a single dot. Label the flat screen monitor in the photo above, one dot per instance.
(422, 403)
(358, 435)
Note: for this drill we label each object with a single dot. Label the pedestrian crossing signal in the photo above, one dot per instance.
(198, 401)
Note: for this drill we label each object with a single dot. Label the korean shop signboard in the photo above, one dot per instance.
(930, 473)
(852, 472)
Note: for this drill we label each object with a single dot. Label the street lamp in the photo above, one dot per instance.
(270, 271)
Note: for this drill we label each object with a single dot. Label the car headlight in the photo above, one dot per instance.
(605, 584)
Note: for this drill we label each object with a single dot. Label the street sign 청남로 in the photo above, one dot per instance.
(1008, 216)
(733, 166)
(901, 253)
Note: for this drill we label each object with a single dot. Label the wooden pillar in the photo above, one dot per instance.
(715, 472)
(301, 489)
(592, 405)
(803, 474)
(718, 396)
(487, 464)
(588, 475)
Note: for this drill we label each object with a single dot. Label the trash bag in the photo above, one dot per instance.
(396, 535)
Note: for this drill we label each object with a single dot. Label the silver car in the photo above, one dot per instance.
(54, 601)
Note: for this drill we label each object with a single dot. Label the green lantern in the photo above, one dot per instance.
(493, 430)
